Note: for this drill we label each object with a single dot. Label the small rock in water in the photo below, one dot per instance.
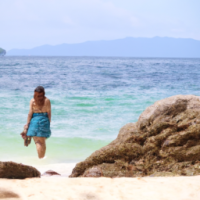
(51, 173)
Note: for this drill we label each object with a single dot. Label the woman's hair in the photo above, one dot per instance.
(39, 89)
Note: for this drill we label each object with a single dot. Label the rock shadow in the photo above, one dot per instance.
(6, 194)
(89, 196)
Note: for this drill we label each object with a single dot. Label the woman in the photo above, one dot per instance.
(38, 121)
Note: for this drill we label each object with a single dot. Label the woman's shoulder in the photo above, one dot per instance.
(32, 101)
(47, 100)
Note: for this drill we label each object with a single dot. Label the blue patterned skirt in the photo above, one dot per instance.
(39, 125)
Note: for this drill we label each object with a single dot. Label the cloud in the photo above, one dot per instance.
(51, 20)
(87, 13)
(102, 15)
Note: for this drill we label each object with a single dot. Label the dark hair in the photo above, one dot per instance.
(39, 89)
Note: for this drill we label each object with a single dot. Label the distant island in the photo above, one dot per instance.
(127, 47)
(2, 52)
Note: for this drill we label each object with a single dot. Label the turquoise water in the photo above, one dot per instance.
(91, 97)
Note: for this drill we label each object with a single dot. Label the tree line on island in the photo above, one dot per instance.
(2, 52)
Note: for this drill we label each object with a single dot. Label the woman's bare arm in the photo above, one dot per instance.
(30, 113)
(49, 110)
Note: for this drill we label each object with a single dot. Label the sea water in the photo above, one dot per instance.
(91, 98)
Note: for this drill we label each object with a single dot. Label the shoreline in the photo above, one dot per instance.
(146, 188)
(64, 169)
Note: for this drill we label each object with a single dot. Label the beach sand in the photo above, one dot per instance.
(61, 188)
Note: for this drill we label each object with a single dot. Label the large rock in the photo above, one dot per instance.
(17, 171)
(165, 141)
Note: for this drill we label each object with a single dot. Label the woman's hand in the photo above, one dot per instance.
(23, 135)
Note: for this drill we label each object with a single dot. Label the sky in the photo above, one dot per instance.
(30, 23)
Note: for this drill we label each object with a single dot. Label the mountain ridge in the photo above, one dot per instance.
(126, 47)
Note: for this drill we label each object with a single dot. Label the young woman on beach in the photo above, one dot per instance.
(38, 121)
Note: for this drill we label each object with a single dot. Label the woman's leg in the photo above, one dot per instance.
(40, 146)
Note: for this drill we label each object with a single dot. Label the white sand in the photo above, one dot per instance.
(157, 188)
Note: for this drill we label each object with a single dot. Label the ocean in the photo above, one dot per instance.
(91, 98)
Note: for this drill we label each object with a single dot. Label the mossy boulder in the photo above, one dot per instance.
(12, 170)
(165, 141)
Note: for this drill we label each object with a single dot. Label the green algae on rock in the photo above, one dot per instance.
(165, 141)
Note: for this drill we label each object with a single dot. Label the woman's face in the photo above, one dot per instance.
(39, 98)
